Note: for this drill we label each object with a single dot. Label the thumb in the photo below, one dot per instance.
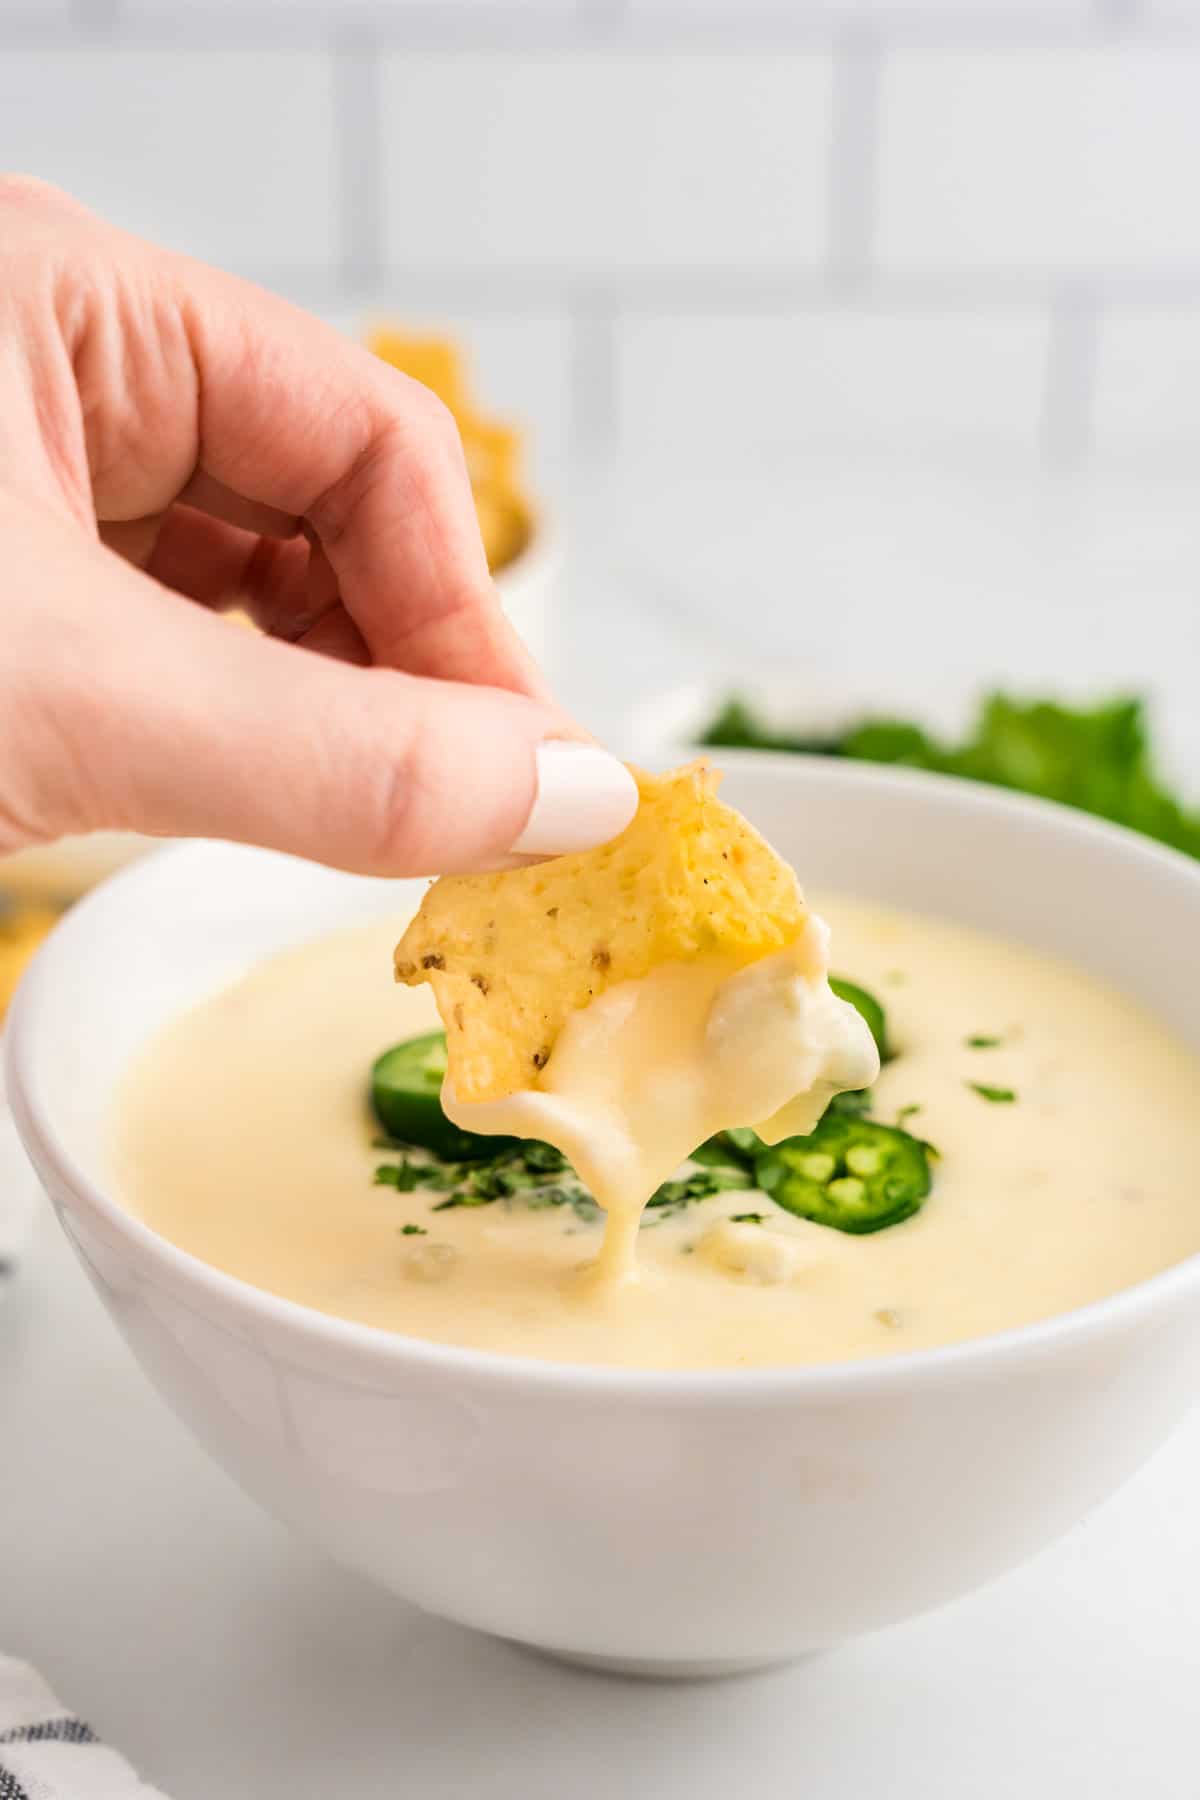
(165, 720)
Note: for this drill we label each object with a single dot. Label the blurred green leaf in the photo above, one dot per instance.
(1098, 759)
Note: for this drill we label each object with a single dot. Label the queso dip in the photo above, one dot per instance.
(1064, 1118)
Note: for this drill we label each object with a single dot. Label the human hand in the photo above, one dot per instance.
(172, 436)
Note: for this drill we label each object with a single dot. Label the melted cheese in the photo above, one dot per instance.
(653, 1067)
(1081, 1186)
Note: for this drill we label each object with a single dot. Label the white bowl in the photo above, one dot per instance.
(660, 1521)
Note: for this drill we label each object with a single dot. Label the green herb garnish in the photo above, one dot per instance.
(979, 1042)
(481, 1171)
(536, 1155)
(735, 1148)
(907, 1112)
(1000, 1096)
(747, 1218)
(673, 1196)
(852, 1104)
(736, 727)
(397, 1175)
(413, 1231)
(1098, 759)
(541, 1177)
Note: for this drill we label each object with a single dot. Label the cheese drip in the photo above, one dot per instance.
(649, 1070)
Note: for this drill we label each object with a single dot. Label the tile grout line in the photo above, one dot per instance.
(853, 159)
(358, 151)
(601, 21)
(1118, 14)
(1069, 396)
(692, 290)
(509, 290)
(92, 18)
(599, 24)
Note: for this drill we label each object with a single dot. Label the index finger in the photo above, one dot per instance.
(295, 417)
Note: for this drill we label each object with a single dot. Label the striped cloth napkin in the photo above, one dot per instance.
(48, 1754)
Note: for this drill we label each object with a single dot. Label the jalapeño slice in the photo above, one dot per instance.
(852, 1174)
(406, 1087)
(869, 1009)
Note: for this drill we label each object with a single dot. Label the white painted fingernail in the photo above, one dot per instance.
(584, 797)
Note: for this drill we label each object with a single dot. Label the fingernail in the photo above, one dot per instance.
(584, 797)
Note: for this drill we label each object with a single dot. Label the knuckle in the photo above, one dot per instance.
(402, 439)
(433, 414)
(334, 511)
(31, 193)
(415, 412)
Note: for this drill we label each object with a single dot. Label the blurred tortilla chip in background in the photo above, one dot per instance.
(22, 928)
(492, 449)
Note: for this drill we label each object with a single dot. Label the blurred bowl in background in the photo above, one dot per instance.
(55, 874)
(529, 588)
(816, 702)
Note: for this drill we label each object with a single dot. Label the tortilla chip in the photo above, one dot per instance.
(511, 956)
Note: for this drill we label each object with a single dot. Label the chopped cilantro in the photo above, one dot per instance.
(673, 1196)
(397, 1175)
(980, 1042)
(536, 1155)
(907, 1112)
(671, 1193)
(540, 1177)
(998, 1095)
(852, 1104)
(411, 1230)
(747, 1218)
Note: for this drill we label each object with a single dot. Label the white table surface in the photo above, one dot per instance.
(225, 1658)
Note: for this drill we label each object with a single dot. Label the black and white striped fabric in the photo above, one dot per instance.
(46, 1754)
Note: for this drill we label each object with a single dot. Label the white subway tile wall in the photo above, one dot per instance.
(927, 229)
(227, 156)
(828, 381)
(1147, 404)
(918, 13)
(607, 163)
(1077, 161)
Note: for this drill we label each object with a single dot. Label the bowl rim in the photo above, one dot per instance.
(861, 1377)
